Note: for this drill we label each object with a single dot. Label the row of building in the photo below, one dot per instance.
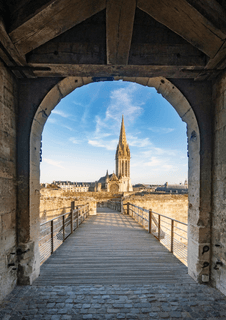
(98, 186)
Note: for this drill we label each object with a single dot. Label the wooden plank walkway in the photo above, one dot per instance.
(111, 248)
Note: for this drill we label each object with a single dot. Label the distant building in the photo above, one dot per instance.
(144, 187)
(174, 188)
(73, 186)
(119, 182)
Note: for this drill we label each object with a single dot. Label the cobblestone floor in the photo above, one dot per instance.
(178, 301)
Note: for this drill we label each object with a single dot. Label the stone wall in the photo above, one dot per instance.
(55, 202)
(219, 187)
(172, 206)
(8, 111)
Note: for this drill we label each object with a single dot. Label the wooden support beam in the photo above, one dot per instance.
(212, 11)
(186, 21)
(53, 20)
(9, 47)
(219, 61)
(214, 65)
(10, 55)
(90, 70)
(119, 28)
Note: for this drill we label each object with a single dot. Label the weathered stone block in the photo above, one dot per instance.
(7, 195)
(7, 120)
(7, 169)
(7, 146)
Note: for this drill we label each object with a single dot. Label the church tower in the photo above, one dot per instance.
(122, 159)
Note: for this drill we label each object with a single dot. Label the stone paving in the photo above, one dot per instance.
(178, 301)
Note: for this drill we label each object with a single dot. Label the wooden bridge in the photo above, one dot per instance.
(112, 248)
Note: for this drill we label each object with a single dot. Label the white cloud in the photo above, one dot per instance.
(67, 127)
(161, 164)
(74, 140)
(134, 164)
(168, 167)
(78, 103)
(122, 103)
(154, 162)
(137, 142)
(161, 130)
(51, 120)
(60, 113)
(159, 152)
(109, 145)
(53, 163)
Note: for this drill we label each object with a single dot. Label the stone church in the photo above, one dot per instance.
(119, 182)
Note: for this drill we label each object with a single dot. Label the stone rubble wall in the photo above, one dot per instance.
(53, 202)
(8, 112)
(218, 275)
(172, 206)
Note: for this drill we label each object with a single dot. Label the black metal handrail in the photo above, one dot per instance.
(174, 238)
(55, 231)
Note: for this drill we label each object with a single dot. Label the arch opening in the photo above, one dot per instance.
(172, 95)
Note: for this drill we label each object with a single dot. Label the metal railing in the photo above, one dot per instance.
(115, 205)
(55, 231)
(170, 232)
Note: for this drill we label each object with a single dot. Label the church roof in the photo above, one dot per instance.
(103, 179)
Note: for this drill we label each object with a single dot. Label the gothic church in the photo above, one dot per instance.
(119, 182)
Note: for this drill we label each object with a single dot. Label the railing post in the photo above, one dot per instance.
(149, 220)
(172, 227)
(143, 218)
(122, 210)
(72, 216)
(128, 208)
(63, 228)
(51, 236)
(159, 227)
(78, 216)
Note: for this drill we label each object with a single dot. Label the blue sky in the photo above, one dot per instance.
(80, 136)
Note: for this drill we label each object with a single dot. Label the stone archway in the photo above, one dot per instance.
(174, 96)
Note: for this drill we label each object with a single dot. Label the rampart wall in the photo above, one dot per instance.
(173, 206)
(54, 202)
(8, 114)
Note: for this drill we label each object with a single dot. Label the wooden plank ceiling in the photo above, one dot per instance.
(170, 38)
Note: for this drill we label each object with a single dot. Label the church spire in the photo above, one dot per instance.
(122, 138)
(122, 156)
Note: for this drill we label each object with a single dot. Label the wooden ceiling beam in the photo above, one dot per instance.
(119, 28)
(53, 20)
(183, 19)
(212, 11)
(91, 70)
